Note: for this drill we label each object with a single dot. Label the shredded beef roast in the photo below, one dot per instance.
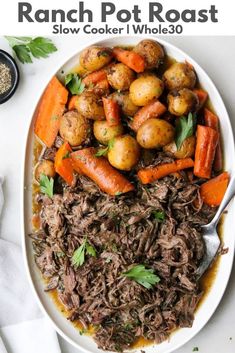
(124, 232)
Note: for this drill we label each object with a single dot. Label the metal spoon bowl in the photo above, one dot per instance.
(209, 231)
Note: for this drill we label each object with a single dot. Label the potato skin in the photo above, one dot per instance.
(45, 167)
(182, 102)
(152, 52)
(94, 58)
(178, 76)
(125, 153)
(104, 133)
(145, 88)
(74, 128)
(155, 133)
(125, 102)
(90, 106)
(120, 77)
(186, 150)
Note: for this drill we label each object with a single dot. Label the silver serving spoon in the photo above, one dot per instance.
(209, 231)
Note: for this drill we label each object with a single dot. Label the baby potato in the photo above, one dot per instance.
(152, 52)
(44, 167)
(126, 104)
(94, 58)
(125, 153)
(155, 133)
(186, 150)
(90, 106)
(145, 88)
(120, 77)
(179, 75)
(74, 128)
(104, 133)
(182, 102)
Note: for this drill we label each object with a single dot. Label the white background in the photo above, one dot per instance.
(215, 54)
(225, 26)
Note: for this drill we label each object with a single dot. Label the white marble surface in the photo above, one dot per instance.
(214, 54)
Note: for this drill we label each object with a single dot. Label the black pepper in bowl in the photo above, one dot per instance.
(9, 76)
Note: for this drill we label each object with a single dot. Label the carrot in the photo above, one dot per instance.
(148, 175)
(100, 171)
(63, 163)
(49, 111)
(95, 77)
(72, 103)
(130, 58)
(202, 96)
(112, 111)
(152, 110)
(207, 140)
(212, 121)
(212, 192)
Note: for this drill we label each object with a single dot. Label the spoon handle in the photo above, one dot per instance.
(230, 193)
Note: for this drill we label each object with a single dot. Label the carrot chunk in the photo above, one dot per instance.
(131, 59)
(207, 140)
(202, 96)
(148, 175)
(49, 111)
(100, 171)
(212, 121)
(112, 111)
(63, 163)
(95, 77)
(212, 192)
(152, 110)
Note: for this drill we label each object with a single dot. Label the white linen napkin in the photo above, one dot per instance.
(22, 327)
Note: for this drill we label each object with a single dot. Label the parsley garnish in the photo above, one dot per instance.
(143, 276)
(103, 151)
(184, 128)
(67, 155)
(78, 257)
(159, 215)
(74, 83)
(26, 47)
(46, 185)
(119, 193)
(195, 349)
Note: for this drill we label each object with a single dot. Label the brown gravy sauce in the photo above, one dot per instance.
(206, 281)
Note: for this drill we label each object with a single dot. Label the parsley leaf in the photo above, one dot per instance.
(74, 83)
(143, 276)
(159, 215)
(184, 128)
(78, 257)
(26, 47)
(67, 155)
(195, 349)
(46, 185)
(103, 151)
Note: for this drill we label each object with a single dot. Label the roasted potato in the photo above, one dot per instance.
(120, 77)
(74, 128)
(155, 133)
(186, 150)
(124, 152)
(181, 102)
(145, 88)
(90, 106)
(94, 58)
(178, 76)
(126, 104)
(44, 167)
(152, 52)
(104, 133)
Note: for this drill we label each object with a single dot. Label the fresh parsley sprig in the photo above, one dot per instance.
(26, 47)
(74, 83)
(142, 275)
(185, 128)
(159, 215)
(78, 257)
(46, 185)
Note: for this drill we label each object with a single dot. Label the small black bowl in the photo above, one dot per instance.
(8, 60)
